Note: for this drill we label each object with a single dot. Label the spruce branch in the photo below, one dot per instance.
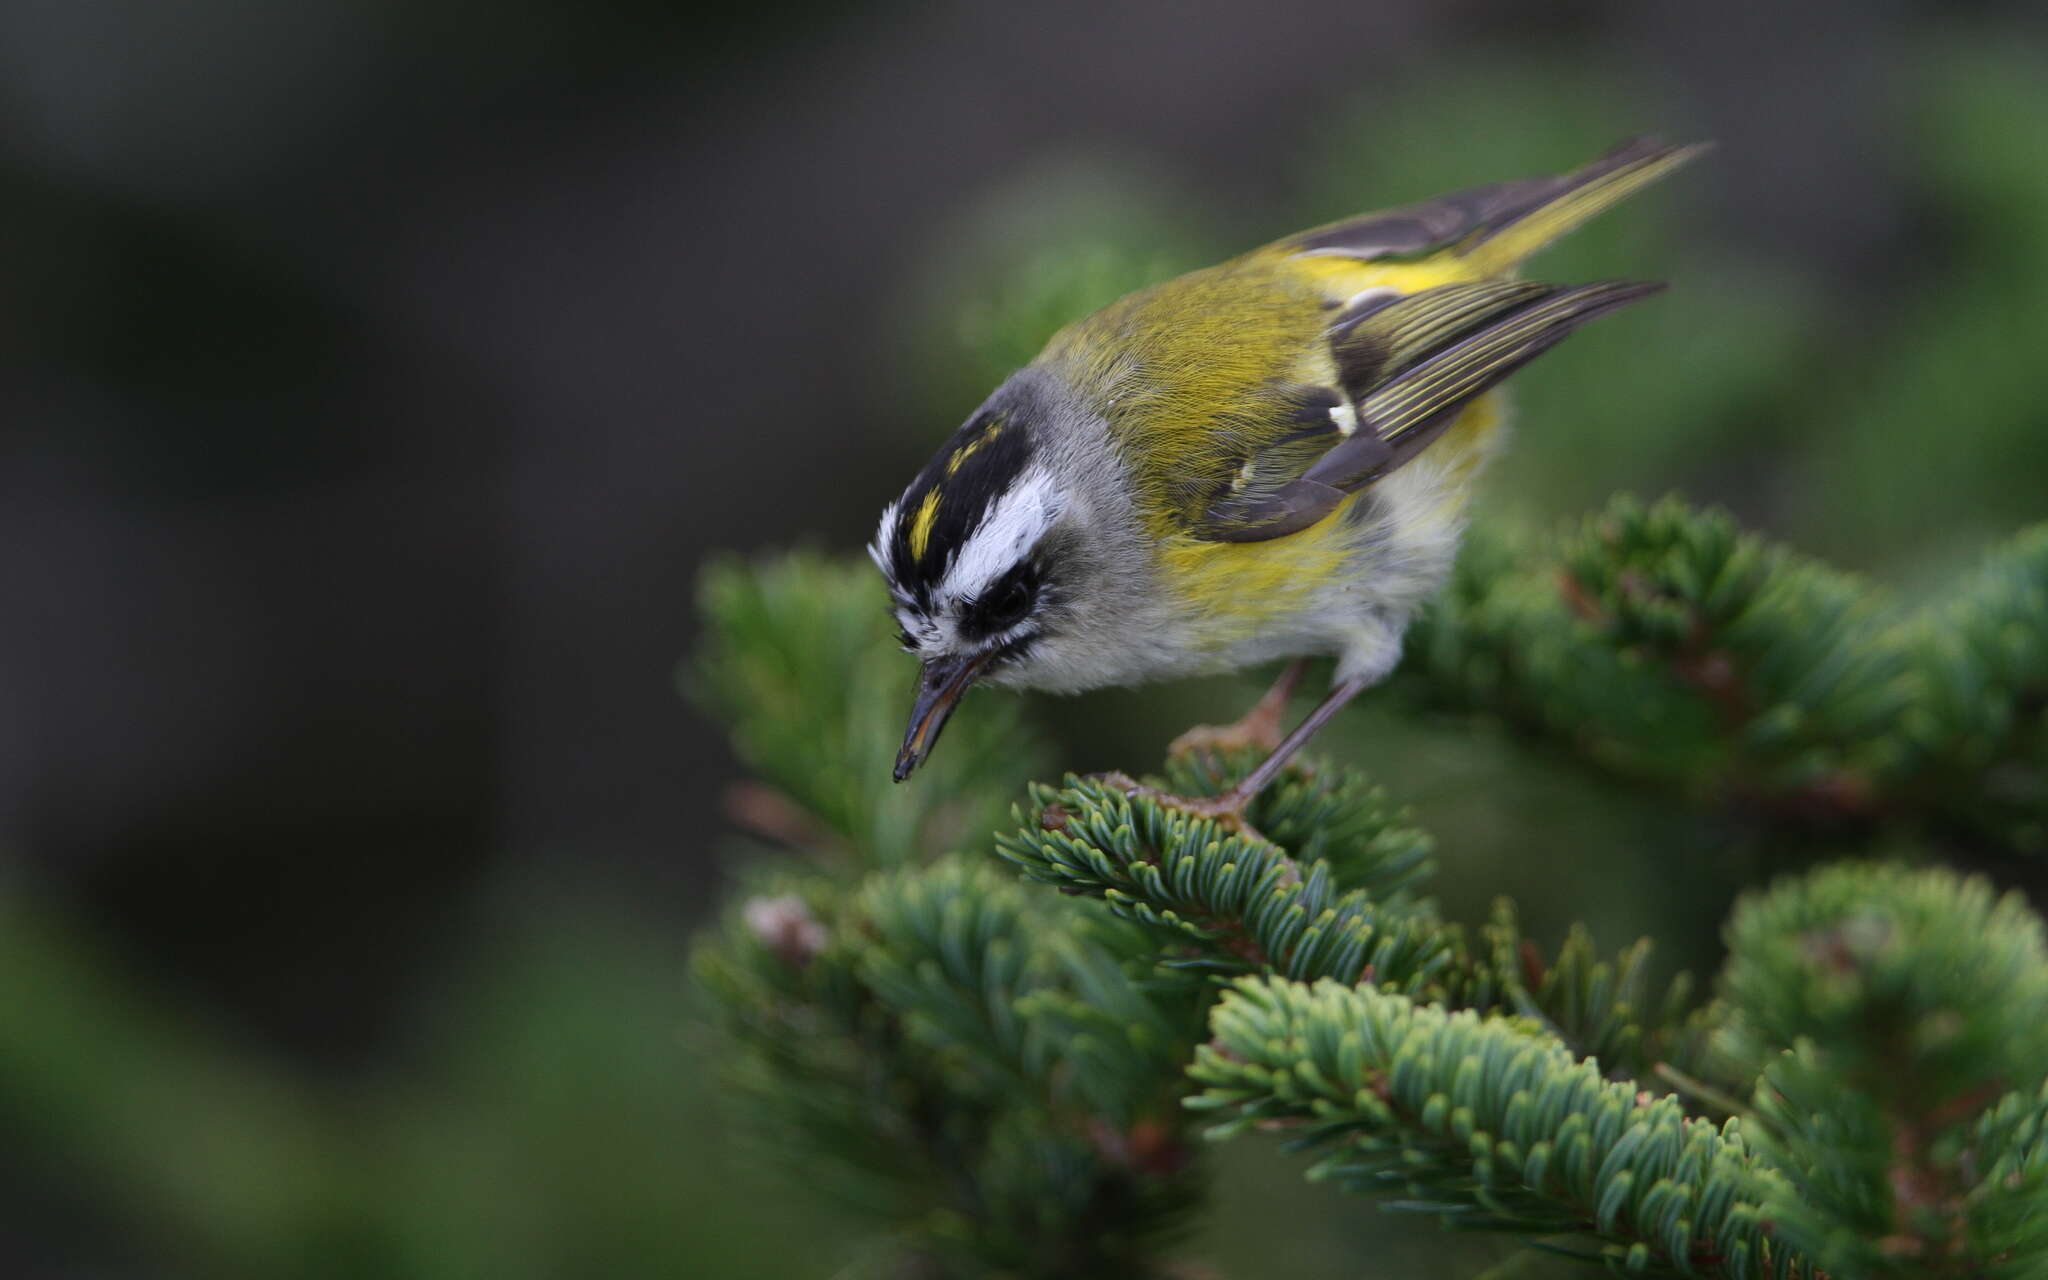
(1603, 1008)
(996, 1073)
(822, 1072)
(2005, 1214)
(1892, 971)
(1233, 901)
(1489, 1123)
(1222, 902)
(991, 1074)
(1975, 728)
(949, 948)
(1891, 1011)
(1322, 814)
(898, 1065)
(1663, 643)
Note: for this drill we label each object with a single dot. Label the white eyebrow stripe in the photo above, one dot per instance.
(1013, 524)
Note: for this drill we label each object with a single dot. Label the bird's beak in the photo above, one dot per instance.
(938, 692)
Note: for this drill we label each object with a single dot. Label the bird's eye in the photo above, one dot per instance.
(1009, 605)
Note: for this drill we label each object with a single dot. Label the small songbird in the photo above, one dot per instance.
(1265, 459)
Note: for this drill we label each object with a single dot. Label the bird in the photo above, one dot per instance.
(1270, 458)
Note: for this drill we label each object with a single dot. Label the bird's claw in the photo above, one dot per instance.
(1226, 810)
(1264, 726)
(1261, 728)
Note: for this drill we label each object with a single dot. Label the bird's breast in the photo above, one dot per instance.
(1237, 594)
(1379, 554)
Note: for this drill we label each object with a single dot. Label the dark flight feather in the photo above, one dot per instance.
(1408, 368)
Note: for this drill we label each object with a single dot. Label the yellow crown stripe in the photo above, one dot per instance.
(966, 451)
(921, 525)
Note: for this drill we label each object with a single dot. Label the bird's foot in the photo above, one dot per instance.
(1226, 810)
(1261, 728)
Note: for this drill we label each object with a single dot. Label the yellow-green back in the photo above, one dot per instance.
(1205, 377)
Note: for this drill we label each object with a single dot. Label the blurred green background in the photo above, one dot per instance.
(374, 377)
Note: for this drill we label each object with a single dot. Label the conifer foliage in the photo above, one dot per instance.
(1003, 1018)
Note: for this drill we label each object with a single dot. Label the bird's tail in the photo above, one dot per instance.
(1523, 217)
(1489, 230)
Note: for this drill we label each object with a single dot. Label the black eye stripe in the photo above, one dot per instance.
(1008, 606)
(1004, 603)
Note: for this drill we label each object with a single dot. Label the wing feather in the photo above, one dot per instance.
(1432, 354)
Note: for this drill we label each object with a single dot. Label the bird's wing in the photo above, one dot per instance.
(1405, 364)
(1499, 224)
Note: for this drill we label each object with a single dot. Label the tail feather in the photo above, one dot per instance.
(1498, 226)
(1516, 233)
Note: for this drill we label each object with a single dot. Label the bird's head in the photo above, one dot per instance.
(991, 559)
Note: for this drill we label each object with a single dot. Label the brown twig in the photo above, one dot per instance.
(761, 810)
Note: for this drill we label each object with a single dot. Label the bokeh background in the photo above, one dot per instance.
(373, 378)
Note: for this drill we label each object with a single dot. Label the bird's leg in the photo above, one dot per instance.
(1259, 727)
(1229, 808)
(1235, 799)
